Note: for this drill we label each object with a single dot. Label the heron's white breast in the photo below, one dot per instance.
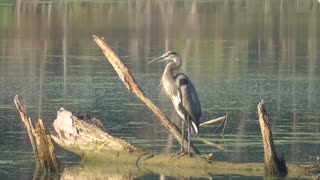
(176, 101)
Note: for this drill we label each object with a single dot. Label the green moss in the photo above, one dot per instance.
(248, 168)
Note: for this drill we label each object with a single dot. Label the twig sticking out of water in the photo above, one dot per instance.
(223, 123)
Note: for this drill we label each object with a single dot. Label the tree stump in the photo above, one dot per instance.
(274, 166)
(41, 142)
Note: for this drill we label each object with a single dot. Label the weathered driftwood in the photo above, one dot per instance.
(41, 142)
(89, 141)
(274, 166)
(126, 77)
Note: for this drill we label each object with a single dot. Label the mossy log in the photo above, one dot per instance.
(274, 166)
(97, 147)
(93, 170)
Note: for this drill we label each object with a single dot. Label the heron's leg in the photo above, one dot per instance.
(188, 121)
(182, 133)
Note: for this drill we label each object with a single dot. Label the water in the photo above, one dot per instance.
(235, 52)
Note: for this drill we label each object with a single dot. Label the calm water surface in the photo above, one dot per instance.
(236, 52)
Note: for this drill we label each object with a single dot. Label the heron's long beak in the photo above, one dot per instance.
(159, 59)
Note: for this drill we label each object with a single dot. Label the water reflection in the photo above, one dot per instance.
(235, 52)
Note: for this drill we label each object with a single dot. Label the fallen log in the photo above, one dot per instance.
(217, 169)
(274, 166)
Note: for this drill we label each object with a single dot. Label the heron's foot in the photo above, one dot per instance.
(208, 158)
(178, 154)
(182, 153)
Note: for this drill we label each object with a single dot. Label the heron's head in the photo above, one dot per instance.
(168, 57)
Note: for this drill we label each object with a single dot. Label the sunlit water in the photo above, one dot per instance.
(235, 52)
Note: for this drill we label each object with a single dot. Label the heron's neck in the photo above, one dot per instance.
(168, 71)
(167, 80)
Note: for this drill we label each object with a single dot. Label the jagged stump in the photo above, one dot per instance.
(274, 166)
(41, 142)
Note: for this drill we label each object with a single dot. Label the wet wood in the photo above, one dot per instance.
(127, 79)
(98, 170)
(41, 142)
(274, 166)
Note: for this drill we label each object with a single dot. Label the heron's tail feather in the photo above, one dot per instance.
(194, 129)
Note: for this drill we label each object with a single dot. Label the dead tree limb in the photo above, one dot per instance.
(222, 118)
(223, 123)
(126, 77)
(41, 143)
(274, 166)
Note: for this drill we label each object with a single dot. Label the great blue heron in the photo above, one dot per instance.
(182, 94)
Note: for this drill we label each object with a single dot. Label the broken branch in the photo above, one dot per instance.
(30, 129)
(222, 118)
(126, 77)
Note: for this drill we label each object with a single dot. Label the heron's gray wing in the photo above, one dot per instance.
(189, 97)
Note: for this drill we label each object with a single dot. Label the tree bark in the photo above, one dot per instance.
(274, 166)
